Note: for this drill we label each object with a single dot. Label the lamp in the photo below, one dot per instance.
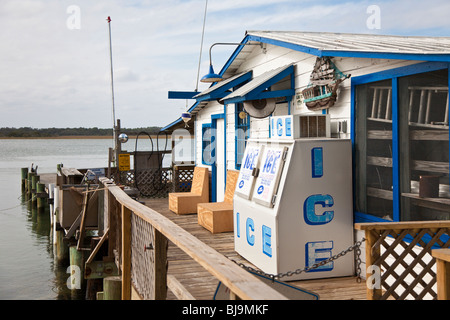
(211, 76)
(186, 116)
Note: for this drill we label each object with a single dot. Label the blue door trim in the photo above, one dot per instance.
(214, 118)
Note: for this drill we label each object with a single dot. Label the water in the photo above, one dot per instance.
(27, 267)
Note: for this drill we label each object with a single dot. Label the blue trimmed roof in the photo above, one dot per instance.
(343, 45)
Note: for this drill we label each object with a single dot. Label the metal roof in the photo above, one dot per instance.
(326, 41)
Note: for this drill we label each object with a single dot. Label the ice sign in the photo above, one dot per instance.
(250, 161)
(269, 175)
(284, 127)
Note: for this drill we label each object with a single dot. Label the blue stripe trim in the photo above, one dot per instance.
(182, 94)
(221, 90)
(399, 72)
(257, 93)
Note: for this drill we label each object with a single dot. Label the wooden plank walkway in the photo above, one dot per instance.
(202, 285)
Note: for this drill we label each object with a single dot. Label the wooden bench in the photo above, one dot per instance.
(186, 202)
(218, 216)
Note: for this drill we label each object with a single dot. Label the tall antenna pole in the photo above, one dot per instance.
(115, 127)
(201, 45)
(112, 78)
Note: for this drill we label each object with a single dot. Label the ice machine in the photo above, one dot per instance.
(293, 202)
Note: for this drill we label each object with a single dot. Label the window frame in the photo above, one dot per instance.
(206, 126)
(393, 75)
(236, 127)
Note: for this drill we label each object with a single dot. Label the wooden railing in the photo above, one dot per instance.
(138, 239)
(399, 262)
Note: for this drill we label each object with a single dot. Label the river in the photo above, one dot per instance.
(27, 267)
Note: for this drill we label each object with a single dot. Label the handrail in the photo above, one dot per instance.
(240, 282)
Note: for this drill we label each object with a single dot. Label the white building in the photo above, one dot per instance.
(393, 106)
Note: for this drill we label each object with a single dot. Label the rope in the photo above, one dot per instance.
(6, 209)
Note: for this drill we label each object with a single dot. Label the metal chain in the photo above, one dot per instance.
(280, 275)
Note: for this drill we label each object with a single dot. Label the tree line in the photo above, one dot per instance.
(28, 132)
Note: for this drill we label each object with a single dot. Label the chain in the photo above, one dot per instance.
(355, 247)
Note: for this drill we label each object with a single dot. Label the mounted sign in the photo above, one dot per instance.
(124, 162)
(300, 126)
(284, 127)
(266, 185)
(250, 162)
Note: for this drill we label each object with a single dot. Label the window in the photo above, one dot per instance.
(374, 145)
(401, 144)
(424, 146)
(242, 129)
(206, 144)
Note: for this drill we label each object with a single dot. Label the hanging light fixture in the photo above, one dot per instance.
(186, 116)
(212, 77)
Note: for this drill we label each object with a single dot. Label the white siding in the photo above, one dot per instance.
(276, 56)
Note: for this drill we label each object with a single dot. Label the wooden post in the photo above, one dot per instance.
(24, 173)
(443, 273)
(126, 253)
(61, 248)
(40, 189)
(160, 247)
(77, 259)
(30, 184)
(372, 254)
(112, 288)
(34, 180)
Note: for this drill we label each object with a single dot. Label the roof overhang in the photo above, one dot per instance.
(221, 89)
(256, 88)
(328, 44)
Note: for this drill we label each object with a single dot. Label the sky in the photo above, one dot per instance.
(55, 68)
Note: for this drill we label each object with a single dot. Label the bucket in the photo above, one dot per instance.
(429, 187)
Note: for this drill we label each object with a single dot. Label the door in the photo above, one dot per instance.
(218, 154)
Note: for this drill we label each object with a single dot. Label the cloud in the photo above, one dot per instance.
(60, 76)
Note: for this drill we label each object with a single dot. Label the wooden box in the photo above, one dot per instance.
(216, 217)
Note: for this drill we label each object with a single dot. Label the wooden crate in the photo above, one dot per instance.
(186, 202)
(218, 216)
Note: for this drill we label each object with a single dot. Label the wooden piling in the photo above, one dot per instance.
(24, 174)
(61, 249)
(77, 260)
(30, 184)
(112, 288)
(34, 180)
(40, 195)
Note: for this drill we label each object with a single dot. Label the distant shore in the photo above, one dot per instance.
(59, 137)
(75, 137)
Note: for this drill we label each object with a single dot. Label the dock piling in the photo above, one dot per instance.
(24, 174)
(112, 288)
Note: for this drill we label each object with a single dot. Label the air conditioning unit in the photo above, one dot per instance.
(315, 126)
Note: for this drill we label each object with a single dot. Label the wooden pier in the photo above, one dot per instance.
(142, 250)
(187, 271)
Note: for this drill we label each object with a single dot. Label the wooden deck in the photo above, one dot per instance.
(202, 285)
